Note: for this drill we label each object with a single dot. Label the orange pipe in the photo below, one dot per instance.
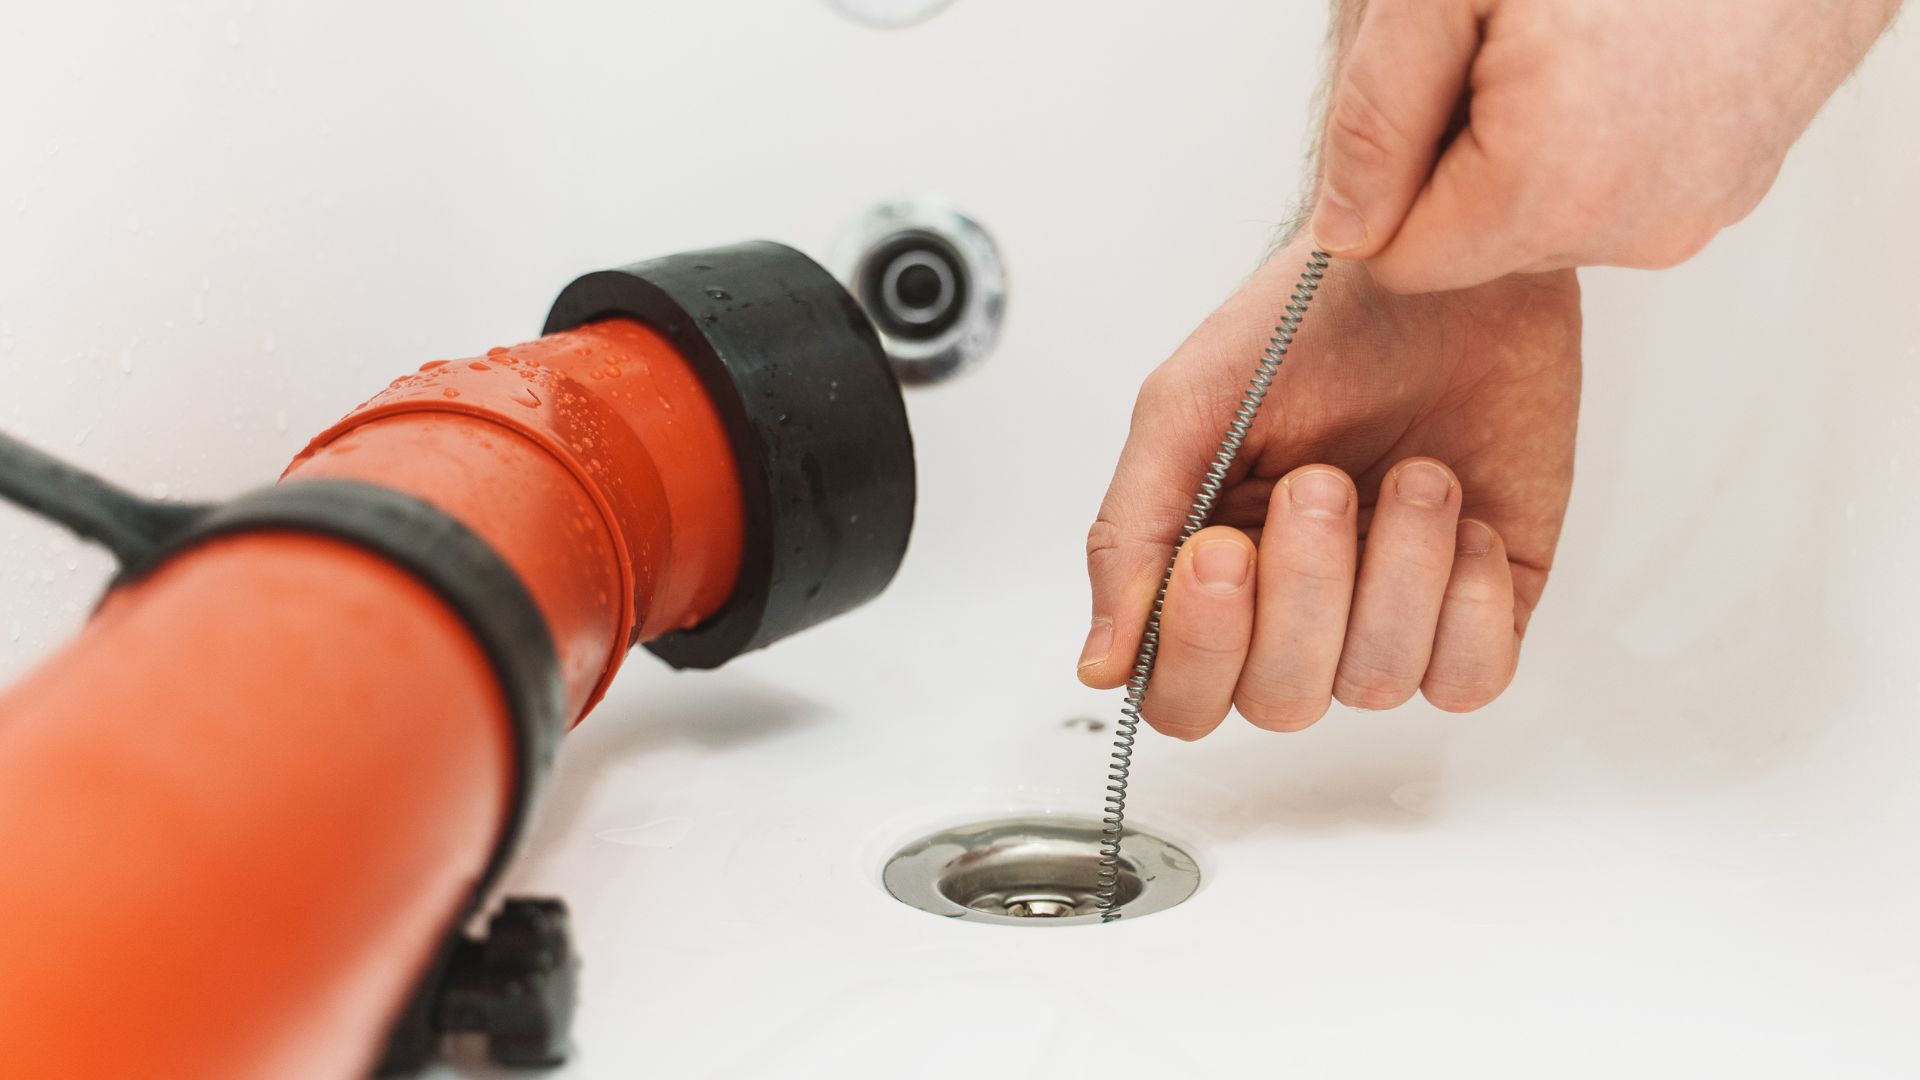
(242, 806)
(618, 411)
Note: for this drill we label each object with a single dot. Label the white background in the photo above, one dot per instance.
(1685, 843)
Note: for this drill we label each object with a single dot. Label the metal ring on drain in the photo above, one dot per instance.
(929, 338)
(1035, 871)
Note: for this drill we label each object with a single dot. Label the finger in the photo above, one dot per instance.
(1392, 100)
(1307, 556)
(1204, 631)
(1475, 647)
(1402, 581)
(1467, 227)
(1164, 460)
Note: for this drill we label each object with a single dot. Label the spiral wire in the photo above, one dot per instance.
(1107, 886)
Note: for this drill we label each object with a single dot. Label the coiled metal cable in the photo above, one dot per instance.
(1108, 884)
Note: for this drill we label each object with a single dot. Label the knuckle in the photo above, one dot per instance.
(1360, 132)
(1180, 722)
(1281, 711)
(1566, 210)
(1423, 556)
(1747, 195)
(1206, 648)
(1460, 694)
(1363, 683)
(1102, 537)
(1588, 208)
(1468, 683)
(1163, 388)
(1209, 644)
(1318, 571)
(1676, 248)
(1373, 697)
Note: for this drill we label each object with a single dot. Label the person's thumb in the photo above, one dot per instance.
(1394, 94)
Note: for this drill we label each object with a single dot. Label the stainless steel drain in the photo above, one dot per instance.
(931, 279)
(1035, 871)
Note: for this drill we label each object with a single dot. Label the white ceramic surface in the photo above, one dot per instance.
(1686, 843)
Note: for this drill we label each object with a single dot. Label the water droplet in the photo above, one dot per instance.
(598, 374)
(613, 372)
(781, 419)
(719, 294)
(432, 364)
(450, 392)
(478, 366)
(497, 350)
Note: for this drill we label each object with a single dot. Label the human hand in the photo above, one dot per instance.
(1470, 139)
(1455, 413)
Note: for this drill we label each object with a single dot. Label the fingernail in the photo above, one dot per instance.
(1337, 226)
(1222, 566)
(1472, 538)
(1099, 642)
(1423, 484)
(1319, 494)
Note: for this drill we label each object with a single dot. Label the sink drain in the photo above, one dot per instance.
(1035, 871)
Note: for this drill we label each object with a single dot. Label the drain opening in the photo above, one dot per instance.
(1031, 879)
(1035, 871)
